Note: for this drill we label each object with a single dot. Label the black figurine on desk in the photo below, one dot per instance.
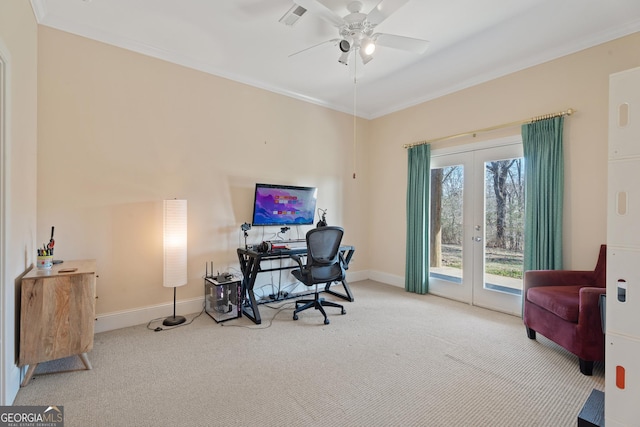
(323, 220)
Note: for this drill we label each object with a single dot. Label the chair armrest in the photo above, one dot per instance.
(534, 278)
(298, 259)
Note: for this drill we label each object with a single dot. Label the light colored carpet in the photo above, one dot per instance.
(395, 359)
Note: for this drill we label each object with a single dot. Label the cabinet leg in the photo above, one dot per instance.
(27, 377)
(85, 360)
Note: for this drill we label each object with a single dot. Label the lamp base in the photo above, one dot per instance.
(174, 320)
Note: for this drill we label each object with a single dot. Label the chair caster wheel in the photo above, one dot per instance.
(344, 311)
(295, 317)
(326, 321)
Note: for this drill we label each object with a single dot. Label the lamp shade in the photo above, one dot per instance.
(175, 243)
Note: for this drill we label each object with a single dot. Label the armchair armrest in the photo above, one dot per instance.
(534, 278)
(589, 306)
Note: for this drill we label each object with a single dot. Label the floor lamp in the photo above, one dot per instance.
(175, 251)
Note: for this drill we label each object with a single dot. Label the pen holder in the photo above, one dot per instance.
(45, 262)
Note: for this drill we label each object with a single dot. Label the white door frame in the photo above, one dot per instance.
(5, 359)
(469, 292)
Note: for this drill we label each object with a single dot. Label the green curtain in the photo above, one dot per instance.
(544, 193)
(417, 266)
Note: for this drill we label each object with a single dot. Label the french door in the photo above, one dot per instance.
(477, 225)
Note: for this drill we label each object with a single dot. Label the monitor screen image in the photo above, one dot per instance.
(284, 205)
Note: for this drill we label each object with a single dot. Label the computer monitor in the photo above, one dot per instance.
(284, 205)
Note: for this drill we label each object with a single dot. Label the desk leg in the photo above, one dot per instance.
(251, 310)
(347, 295)
(250, 268)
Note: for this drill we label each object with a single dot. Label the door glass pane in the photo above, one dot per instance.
(446, 223)
(504, 225)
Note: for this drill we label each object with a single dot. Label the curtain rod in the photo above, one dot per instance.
(568, 112)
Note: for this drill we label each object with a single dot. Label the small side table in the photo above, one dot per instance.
(57, 314)
(222, 297)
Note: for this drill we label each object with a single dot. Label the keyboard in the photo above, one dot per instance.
(297, 245)
(290, 244)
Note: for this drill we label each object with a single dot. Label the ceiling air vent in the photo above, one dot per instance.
(292, 15)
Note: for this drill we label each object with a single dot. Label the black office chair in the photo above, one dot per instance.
(324, 264)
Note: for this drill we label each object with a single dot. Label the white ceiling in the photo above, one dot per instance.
(472, 41)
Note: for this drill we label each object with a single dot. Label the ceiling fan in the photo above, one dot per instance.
(356, 29)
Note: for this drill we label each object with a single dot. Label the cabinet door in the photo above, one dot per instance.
(623, 228)
(57, 317)
(623, 291)
(621, 380)
(624, 114)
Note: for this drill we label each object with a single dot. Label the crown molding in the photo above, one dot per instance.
(560, 51)
(39, 10)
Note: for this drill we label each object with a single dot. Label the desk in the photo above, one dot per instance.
(250, 265)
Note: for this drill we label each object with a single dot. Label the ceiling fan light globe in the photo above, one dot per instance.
(368, 47)
(365, 58)
(345, 46)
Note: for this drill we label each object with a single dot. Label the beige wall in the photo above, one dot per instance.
(18, 49)
(119, 132)
(579, 81)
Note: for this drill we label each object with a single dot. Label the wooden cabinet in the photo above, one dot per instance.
(57, 314)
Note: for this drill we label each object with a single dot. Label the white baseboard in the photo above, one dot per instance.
(142, 315)
(356, 276)
(389, 279)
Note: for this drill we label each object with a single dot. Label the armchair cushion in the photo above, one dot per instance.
(563, 301)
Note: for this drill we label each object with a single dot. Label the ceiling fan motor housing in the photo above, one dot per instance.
(356, 26)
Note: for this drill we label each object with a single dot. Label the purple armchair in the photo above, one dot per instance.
(563, 305)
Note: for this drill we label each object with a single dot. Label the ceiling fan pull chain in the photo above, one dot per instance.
(355, 89)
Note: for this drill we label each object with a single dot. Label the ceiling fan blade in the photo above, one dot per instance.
(315, 7)
(334, 41)
(400, 42)
(383, 10)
